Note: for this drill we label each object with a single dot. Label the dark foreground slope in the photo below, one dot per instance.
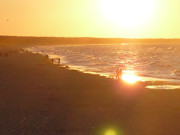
(37, 98)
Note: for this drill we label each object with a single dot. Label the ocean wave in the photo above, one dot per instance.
(153, 60)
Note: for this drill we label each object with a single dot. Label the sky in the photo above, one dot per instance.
(91, 18)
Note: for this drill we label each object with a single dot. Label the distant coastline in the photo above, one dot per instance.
(27, 40)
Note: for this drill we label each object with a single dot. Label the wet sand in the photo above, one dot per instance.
(38, 98)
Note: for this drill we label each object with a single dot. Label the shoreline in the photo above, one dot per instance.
(37, 97)
(161, 83)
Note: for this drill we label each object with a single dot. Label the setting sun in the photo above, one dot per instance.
(127, 13)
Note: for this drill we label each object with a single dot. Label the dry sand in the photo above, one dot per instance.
(38, 98)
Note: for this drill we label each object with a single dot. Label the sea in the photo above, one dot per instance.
(150, 62)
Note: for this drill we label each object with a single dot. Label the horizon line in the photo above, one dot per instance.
(81, 37)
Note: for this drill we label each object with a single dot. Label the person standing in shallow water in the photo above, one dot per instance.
(118, 73)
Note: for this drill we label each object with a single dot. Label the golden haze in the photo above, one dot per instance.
(90, 18)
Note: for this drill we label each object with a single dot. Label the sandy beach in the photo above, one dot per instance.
(39, 98)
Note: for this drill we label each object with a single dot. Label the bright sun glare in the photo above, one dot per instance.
(127, 13)
(130, 78)
(110, 132)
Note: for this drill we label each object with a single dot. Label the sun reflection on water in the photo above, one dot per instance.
(130, 77)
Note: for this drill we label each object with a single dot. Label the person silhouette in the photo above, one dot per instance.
(118, 73)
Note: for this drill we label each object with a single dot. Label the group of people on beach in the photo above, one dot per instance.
(56, 59)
